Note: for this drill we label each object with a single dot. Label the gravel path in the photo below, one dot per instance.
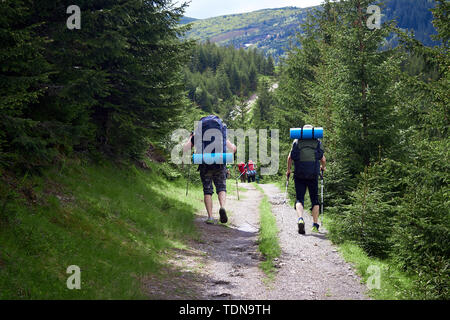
(311, 267)
(223, 262)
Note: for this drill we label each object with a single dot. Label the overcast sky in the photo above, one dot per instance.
(201, 9)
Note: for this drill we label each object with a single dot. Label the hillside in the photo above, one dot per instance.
(268, 29)
(271, 30)
(112, 221)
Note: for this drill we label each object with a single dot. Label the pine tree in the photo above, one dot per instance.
(114, 84)
(24, 71)
(366, 75)
(262, 112)
(253, 78)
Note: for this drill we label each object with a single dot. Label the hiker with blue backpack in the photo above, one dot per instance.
(210, 143)
(306, 153)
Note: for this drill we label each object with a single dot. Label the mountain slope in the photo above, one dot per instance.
(268, 29)
(271, 30)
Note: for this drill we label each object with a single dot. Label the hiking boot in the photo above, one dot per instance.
(315, 228)
(223, 215)
(301, 226)
(209, 220)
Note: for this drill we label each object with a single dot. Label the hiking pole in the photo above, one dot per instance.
(240, 175)
(285, 192)
(237, 183)
(189, 178)
(321, 196)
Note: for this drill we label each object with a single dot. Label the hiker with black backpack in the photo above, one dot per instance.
(210, 137)
(306, 155)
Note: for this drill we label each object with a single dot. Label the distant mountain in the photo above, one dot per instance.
(272, 30)
(268, 29)
(186, 20)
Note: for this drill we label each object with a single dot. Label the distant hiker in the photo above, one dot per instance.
(306, 155)
(210, 173)
(251, 172)
(242, 171)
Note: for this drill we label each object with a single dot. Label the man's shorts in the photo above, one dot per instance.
(300, 190)
(218, 176)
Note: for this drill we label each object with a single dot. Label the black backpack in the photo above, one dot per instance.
(306, 156)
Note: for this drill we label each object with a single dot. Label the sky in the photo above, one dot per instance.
(202, 9)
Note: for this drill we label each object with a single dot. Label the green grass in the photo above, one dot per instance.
(268, 238)
(394, 284)
(115, 223)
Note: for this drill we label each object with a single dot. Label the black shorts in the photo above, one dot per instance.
(218, 176)
(313, 188)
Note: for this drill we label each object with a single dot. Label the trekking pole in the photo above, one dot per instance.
(189, 178)
(285, 192)
(285, 199)
(189, 172)
(321, 197)
(237, 183)
(240, 175)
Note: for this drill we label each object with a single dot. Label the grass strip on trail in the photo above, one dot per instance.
(268, 237)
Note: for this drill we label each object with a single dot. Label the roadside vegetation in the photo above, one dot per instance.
(117, 223)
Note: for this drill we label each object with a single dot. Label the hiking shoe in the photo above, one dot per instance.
(223, 215)
(209, 221)
(315, 228)
(301, 226)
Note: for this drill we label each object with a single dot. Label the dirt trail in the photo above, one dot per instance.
(223, 263)
(311, 267)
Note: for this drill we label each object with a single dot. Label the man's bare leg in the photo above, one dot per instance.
(299, 209)
(222, 211)
(208, 204)
(222, 198)
(315, 214)
(301, 223)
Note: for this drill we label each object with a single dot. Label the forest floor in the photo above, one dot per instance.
(223, 262)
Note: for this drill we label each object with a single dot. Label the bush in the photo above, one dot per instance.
(422, 229)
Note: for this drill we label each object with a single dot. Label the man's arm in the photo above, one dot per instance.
(289, 165)
(188, 145)
(231, 146)
(323, 163)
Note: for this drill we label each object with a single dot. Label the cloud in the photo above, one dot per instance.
(201, 9)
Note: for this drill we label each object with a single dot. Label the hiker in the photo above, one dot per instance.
(251, 172)
(306, 155)
(210, 173)
(242, 171)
